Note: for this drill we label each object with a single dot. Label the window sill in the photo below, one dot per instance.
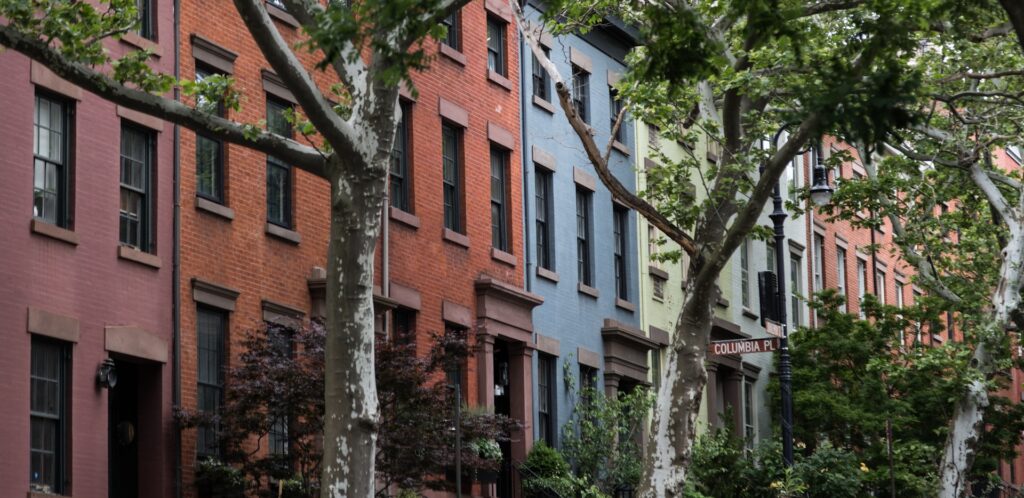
(54, 232)
(723, 302)
(449, 52)
(137, 256)
(282, 15)
(621, 147)
(137, 41)
(749, 313)
(455, 238)
(214, 208)
(543, 104)
(500, 80)
(547, 274)
(626, 305)
(36, 494)
(408, 219)
(502, 256)
(588, 290)
(283, 233)
(938, 338)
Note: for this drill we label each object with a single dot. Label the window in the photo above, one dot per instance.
(400, 177)
(862, 285)
(279, 174)
(496, 46)
(209, 156)
(541, 81)
(146, 20)
(949, 326)
(583, 263)
(588, 378)
(546, 403)
(899, 294)
(819, 262)
(658, 287)
(748, 414)
(452, 37)
(136, 186)
(211, 328)
(403, 323)
(51, 138)
(745, 273)
(281, 340)
(615, 107)
(545, 219)
(770, 253)
(499, 208)
(841, 276)
(51, 364)
(451, 139)
(880, 285)
(652, 136)
(794, 177)
(621, 238)
(581, 93)
(796, 290)
(277, 3)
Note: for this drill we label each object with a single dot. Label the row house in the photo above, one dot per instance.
(581, 245)
(450, 254)
(86, 261)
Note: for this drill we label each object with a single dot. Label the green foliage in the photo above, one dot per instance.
(486, 449)
(856, 383)
(601, 439)
(723, 468)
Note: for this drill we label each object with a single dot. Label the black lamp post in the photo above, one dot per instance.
(820, 192)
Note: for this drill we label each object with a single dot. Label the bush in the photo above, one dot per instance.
(546, 474)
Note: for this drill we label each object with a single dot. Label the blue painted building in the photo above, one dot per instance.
(581, 247)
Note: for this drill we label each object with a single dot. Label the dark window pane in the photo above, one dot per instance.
(277, 121)
(581, 93)
(279, 193)
(499, 215)
(400, 177)
(545, 220)
(453, 24)
(583, 237)
(145, 26)
(50, 148)
(541, 83)
(615, 107)
(47, 429)
(136, 164)
(620, 238)
(496, 46)
(211, 328)
(450, 160)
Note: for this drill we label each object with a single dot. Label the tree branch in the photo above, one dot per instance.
(994, 195)
(348, 65)
(304, 157)
(619, 191)
(320, 112)
(1015, 9)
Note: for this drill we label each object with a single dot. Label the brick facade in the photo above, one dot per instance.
(79, 288)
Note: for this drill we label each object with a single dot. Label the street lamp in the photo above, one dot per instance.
(821, 193)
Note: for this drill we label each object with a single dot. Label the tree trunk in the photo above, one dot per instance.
(350, 430)
(674, 424)
(968, 420)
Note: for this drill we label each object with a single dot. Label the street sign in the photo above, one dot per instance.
(743, 346)
(774, 328)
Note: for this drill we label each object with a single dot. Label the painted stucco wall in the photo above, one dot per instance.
(571, 317)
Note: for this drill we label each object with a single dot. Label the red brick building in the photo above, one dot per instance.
(841, 259)
(254, 231)
(86, 213)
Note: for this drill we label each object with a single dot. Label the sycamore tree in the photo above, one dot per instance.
(370, 47)
(944, 180)
(725, 76)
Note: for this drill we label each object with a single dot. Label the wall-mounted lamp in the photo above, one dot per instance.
(107, 376)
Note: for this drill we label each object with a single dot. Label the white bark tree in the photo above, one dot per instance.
(735, 73)
(371, 50)
(972, 109)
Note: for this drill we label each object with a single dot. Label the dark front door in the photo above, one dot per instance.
(502, 406)
(123, 417)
